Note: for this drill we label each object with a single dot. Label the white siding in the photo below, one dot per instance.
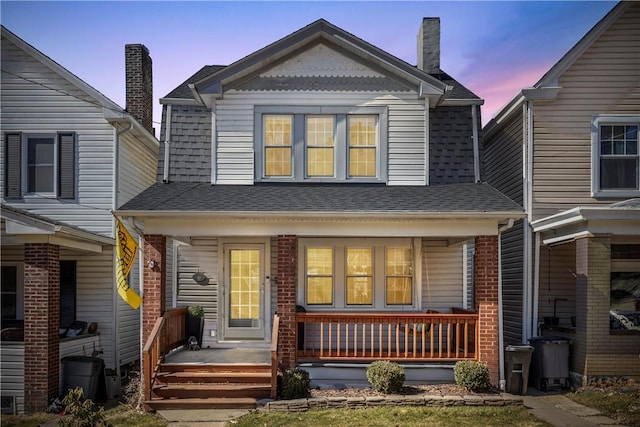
(128, 339)
(201, 255)
(12, 372)
(604, 80)
(235, 130)
(441, 277)
(36, 100)
(136, 168)
(170, 278)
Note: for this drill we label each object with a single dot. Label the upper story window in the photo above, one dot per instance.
(615, 159)
(321, 144)
(40, 164)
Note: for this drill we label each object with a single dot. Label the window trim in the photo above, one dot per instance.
(379, 248)
(25, 170)
(299, 149)
(606, 120)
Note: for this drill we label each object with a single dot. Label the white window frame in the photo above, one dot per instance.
(19, 287)
(299, 148)
(25, 169)
(597, 122)
(379, 247)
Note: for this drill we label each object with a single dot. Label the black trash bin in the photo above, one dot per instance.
(550, 364)
(517, 361)
(86, 372)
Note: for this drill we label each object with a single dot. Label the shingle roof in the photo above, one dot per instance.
(183, 91)
(324, 84)
(322, 198)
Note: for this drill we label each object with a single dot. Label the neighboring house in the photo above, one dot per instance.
(567, 149)
(323, 174)
(69, 157)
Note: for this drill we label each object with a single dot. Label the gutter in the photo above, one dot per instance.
(167, 138)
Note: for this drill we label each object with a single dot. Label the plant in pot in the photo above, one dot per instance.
(195, 322)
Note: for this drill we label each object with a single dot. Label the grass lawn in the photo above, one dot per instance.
(120, 416)
(621, 406)
(396, 416)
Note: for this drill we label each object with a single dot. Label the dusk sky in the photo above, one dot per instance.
(493, 48)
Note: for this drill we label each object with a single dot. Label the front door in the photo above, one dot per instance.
(244, 294)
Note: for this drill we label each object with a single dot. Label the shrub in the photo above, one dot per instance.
(472, 375)
(195, 311)
(80, 412)
(295, 384)
(386, 376)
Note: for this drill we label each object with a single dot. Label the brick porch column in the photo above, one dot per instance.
(153, 304)
(41, 324)
(287, 271)
(486, 297)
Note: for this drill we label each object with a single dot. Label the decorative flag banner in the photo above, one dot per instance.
(126, 251)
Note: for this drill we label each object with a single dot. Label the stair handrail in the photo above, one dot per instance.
(274, 356)
(167, 334)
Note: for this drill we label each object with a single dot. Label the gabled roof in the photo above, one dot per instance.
(547, 86)
(112, 112)
(217, 79)
(452, 200)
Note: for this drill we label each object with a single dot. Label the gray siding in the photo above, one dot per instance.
(12, 373)
(557, 282)
(512, 247)
(451, 145)
(441, 277)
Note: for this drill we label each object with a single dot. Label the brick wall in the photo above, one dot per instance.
(139, 84)
(486, 298)
(41, 324)
(154, 298)
(286, 281)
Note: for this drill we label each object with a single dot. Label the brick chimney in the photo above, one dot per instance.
(139, 84)
(429, 46)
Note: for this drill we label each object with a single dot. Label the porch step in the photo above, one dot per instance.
(213, 390)
(214, 377)
(206, 403)
(217, 368)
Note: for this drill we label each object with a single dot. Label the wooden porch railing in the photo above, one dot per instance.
(274, 356)
(168, 333)
(400, 337)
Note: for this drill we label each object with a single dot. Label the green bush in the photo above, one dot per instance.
(472, 375)
(195, 311)
(295, 384)
(80, 412)
(386, 376)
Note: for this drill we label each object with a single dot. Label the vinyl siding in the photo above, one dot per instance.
(41, 105)
(235, 130)
(137, 168)
(441, 277)
(512, 242)
(557, 282)
(12, 373)
(604, 80)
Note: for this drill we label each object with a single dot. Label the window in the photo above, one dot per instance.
(67, 293)
(355, 273)
(9, 293)
(624, 305)
(320, 144)
(40, 164)
(615, 160)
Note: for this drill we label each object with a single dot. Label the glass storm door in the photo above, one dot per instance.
(244, 292)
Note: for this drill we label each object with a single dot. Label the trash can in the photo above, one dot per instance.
(86, 372)
(550, 364)
(517, 361)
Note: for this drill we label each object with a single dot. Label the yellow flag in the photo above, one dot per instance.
(126, 251)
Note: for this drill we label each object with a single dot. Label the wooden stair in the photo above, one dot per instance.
(208, 386)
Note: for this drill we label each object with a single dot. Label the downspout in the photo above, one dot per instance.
(214, 146)
(116, 184)
(426, 140)
(167, 141)
(476, 146)
(500, 322)
(527, 325)
(536, 287)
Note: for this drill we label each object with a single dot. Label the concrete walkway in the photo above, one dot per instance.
(560, 411)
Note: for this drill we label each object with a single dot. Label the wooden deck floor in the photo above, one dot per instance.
(226, 356)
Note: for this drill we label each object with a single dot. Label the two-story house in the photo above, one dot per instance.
(567, 149)
(325, 180)
(69, 156)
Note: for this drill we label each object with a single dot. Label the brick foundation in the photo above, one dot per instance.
(486, 298)
(41, 324)
(153, 305)
(287, 272)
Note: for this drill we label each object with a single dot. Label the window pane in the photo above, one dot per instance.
(9, 296)
(624, 313)
(362, 162)
(40, 165)
(359, 290)
(320, 131)
(399, 290)
(363, 139)
(277, 142)
(320, 161)
(244, 286)
(320, 144)
(619, 173)
(399, 262)
(319, 276)
(359, 262)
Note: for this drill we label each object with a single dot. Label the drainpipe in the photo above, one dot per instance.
(500, 323)
(476, 147)
(536, 286)
(167, 138)
(116, 183)
(528, 291)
